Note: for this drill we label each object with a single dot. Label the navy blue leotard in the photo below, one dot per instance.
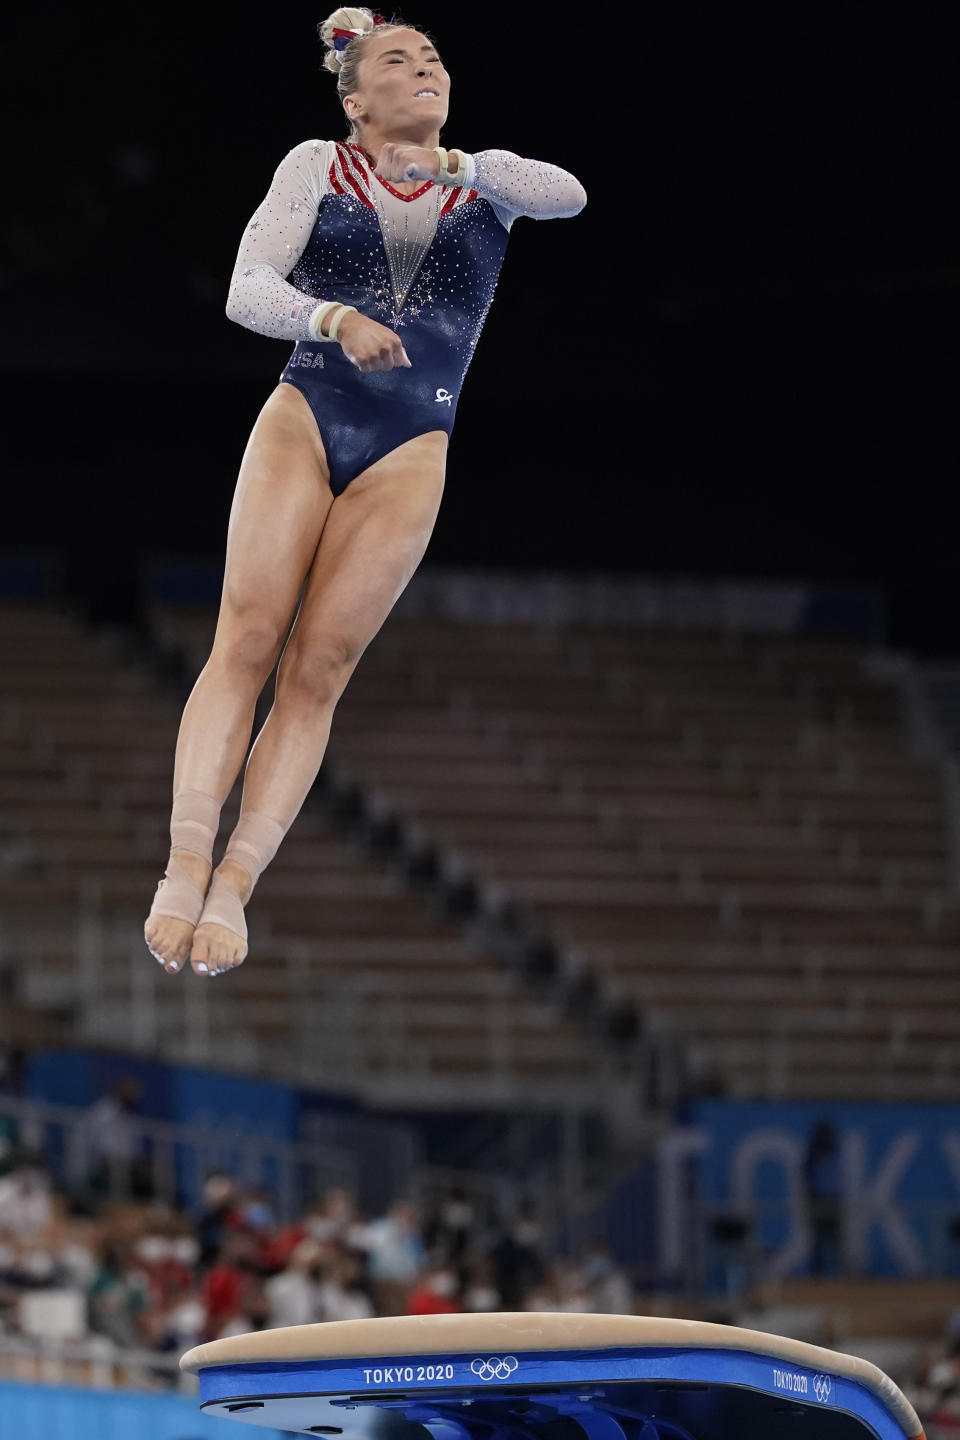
(425, 265)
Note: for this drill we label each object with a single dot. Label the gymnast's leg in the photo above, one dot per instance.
(279, 509)
(373, 540)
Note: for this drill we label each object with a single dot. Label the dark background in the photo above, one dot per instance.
(740, 359)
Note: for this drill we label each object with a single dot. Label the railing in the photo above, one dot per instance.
(171, 1161)
(93, 1362)
(343, 1034)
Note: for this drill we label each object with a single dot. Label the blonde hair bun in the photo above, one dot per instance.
(346, 18)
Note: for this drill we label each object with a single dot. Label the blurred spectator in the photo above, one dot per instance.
(11, 1083)
(573, 1292)
(9, 1290)
(164, 1281)
(180, 1325)
(480, 1291)
(8, 1142)
(61, 1254)
(76, 1242)
(518, 1258)
(253, 1214)
(118, 1298)
(254, 1313)
(167, 1260)
(341, 1292)
(227, 1284)
(26, 1201)
(253, 1211)
(107, 1154)
(333, 1218)
(436, 1292)
(293, 1294)
(822, 1186)
(559, 1288)
(935, 1394)
(395, 1251)
(608, 1288)
(219, 1193)
(450, 1231)
(34, 1267)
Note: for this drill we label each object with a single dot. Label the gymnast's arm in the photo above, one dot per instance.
(262, 300)
(260, 297)
(515, 186)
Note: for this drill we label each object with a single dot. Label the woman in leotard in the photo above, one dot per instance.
(378, 257)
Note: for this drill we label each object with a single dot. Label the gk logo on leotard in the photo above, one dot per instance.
(443, 395)
(495, 1368)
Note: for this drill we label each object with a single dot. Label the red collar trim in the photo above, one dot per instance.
(414, 195)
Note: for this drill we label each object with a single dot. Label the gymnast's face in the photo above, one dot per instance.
(403, 85)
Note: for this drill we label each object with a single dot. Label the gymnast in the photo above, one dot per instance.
(378, 256)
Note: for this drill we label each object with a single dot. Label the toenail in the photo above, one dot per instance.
(201, 968)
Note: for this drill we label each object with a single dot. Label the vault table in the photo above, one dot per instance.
(535, 1376)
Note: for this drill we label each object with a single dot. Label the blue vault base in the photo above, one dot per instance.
(619, 1393)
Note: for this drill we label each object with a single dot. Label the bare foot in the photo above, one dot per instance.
(215, 948)
(168, 939)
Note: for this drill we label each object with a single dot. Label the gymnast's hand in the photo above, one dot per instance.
(370, 345)
(407, 162)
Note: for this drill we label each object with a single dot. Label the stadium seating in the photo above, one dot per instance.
(354, 979)
(732, 832)
(662, 803)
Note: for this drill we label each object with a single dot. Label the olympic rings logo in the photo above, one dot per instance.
(822, 1385)
(495, 1368)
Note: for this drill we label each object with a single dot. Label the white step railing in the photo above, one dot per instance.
(340, 1032)
(172, 1160)
(93, 1362)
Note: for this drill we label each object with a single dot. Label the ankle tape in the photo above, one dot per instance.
(194, 822)
(254, 842)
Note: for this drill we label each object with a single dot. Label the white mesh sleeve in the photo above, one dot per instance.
(260, 298)
(515, 186)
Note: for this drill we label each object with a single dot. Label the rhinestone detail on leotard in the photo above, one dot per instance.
(289, 218)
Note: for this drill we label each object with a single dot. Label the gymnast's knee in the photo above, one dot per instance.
(247, 647)
(315, 673)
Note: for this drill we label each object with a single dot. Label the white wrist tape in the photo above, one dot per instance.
(318, 316)
(458, 157)
(335, 322)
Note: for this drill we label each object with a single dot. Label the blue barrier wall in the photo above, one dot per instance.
(41, 1412)
(189, 1096)
(896, 1177)
(233, 1106)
